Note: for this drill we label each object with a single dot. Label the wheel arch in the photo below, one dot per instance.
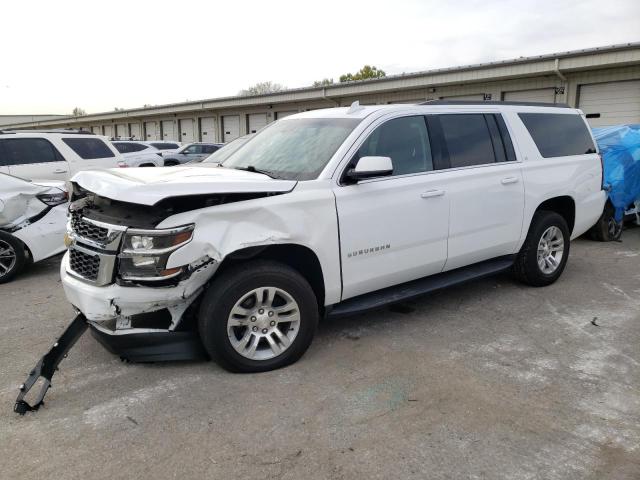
(564, 206)
(299, 257)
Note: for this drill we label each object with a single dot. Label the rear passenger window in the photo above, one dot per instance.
(89, 148)
(405, 140)
(558, 135)
(21, 151)
(468, 140)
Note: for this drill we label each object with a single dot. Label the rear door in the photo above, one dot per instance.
(483, 181)
(393, 229)
(33, 159)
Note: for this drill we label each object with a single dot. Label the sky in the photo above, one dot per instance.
(97, 56)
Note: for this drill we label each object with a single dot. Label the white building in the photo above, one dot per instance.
(604, 82)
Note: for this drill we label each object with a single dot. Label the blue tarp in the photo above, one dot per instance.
(620, 149)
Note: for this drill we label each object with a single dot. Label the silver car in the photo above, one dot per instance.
(190, 152)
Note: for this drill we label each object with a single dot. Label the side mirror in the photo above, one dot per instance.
(370, 167)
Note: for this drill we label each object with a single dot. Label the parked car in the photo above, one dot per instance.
(225, 151)
(190, 152)
(325, 213)
(620, 149)
(54, 155)
(138, 154)
(33, 218)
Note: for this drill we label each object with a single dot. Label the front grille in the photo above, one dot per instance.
(83, 264)
(84, 229)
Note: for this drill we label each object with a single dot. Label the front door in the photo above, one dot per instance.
(393, 229)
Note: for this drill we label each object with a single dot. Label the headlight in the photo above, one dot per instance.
(53, 197)
(145, 252)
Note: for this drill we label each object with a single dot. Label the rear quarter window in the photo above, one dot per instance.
(558, 135)
(89, 148)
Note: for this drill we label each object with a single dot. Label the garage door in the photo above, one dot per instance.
(230, 127)
(121, 131)
(108, 131)
(476, 97)
(186, 130)
(135, 131)
(280, 115)
(168, 132)
(97, 130)
(151, 131)
(544, 95)
(256, 121)
(611, 103)
(207, 129)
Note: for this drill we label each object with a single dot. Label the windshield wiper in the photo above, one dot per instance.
(251, 168)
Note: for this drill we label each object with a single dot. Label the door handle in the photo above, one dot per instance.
(508, 180)
(59, 170)
(432, 193)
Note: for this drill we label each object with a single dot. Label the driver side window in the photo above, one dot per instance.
(405, 140)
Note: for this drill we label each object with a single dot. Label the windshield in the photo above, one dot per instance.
(296, 149)
(225, 152)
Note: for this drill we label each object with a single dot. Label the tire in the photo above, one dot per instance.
(242, 289)
(527, 267)
(13, 257)
(147, 165)
(171, 164)
(606, 228)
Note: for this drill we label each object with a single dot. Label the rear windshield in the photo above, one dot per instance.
(296, 149)
(558, 135)
(89, 148)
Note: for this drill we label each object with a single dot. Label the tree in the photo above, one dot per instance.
(323, 83)
(365, 73)
(78, 112)
(262, 88)
(116, 109)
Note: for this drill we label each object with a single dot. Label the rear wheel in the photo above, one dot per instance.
(259, 316)
(544, 254)
(12, 257)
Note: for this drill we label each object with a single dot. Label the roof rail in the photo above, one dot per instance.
(493, 102)
(73, 131)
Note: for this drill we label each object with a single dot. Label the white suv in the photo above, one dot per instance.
(54, 155)
(326, 213)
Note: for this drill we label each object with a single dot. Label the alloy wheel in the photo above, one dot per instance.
(263, 323)
(550, 250)
(8, 258)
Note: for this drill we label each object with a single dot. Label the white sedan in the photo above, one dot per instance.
(33, 218)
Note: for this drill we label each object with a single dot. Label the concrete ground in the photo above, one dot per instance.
(489, 380)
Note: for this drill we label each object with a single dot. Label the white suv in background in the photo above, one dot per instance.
(138, 154)
(54, 155)
(326, 213)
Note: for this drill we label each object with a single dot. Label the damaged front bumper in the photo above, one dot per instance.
(139, 323)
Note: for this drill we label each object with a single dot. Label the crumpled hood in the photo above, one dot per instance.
(147, 186)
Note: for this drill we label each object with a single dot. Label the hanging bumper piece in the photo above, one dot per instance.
(48, 365)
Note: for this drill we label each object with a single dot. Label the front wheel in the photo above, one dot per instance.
(257, 317)
(12, 257)
(544, 254)
(606, 229)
